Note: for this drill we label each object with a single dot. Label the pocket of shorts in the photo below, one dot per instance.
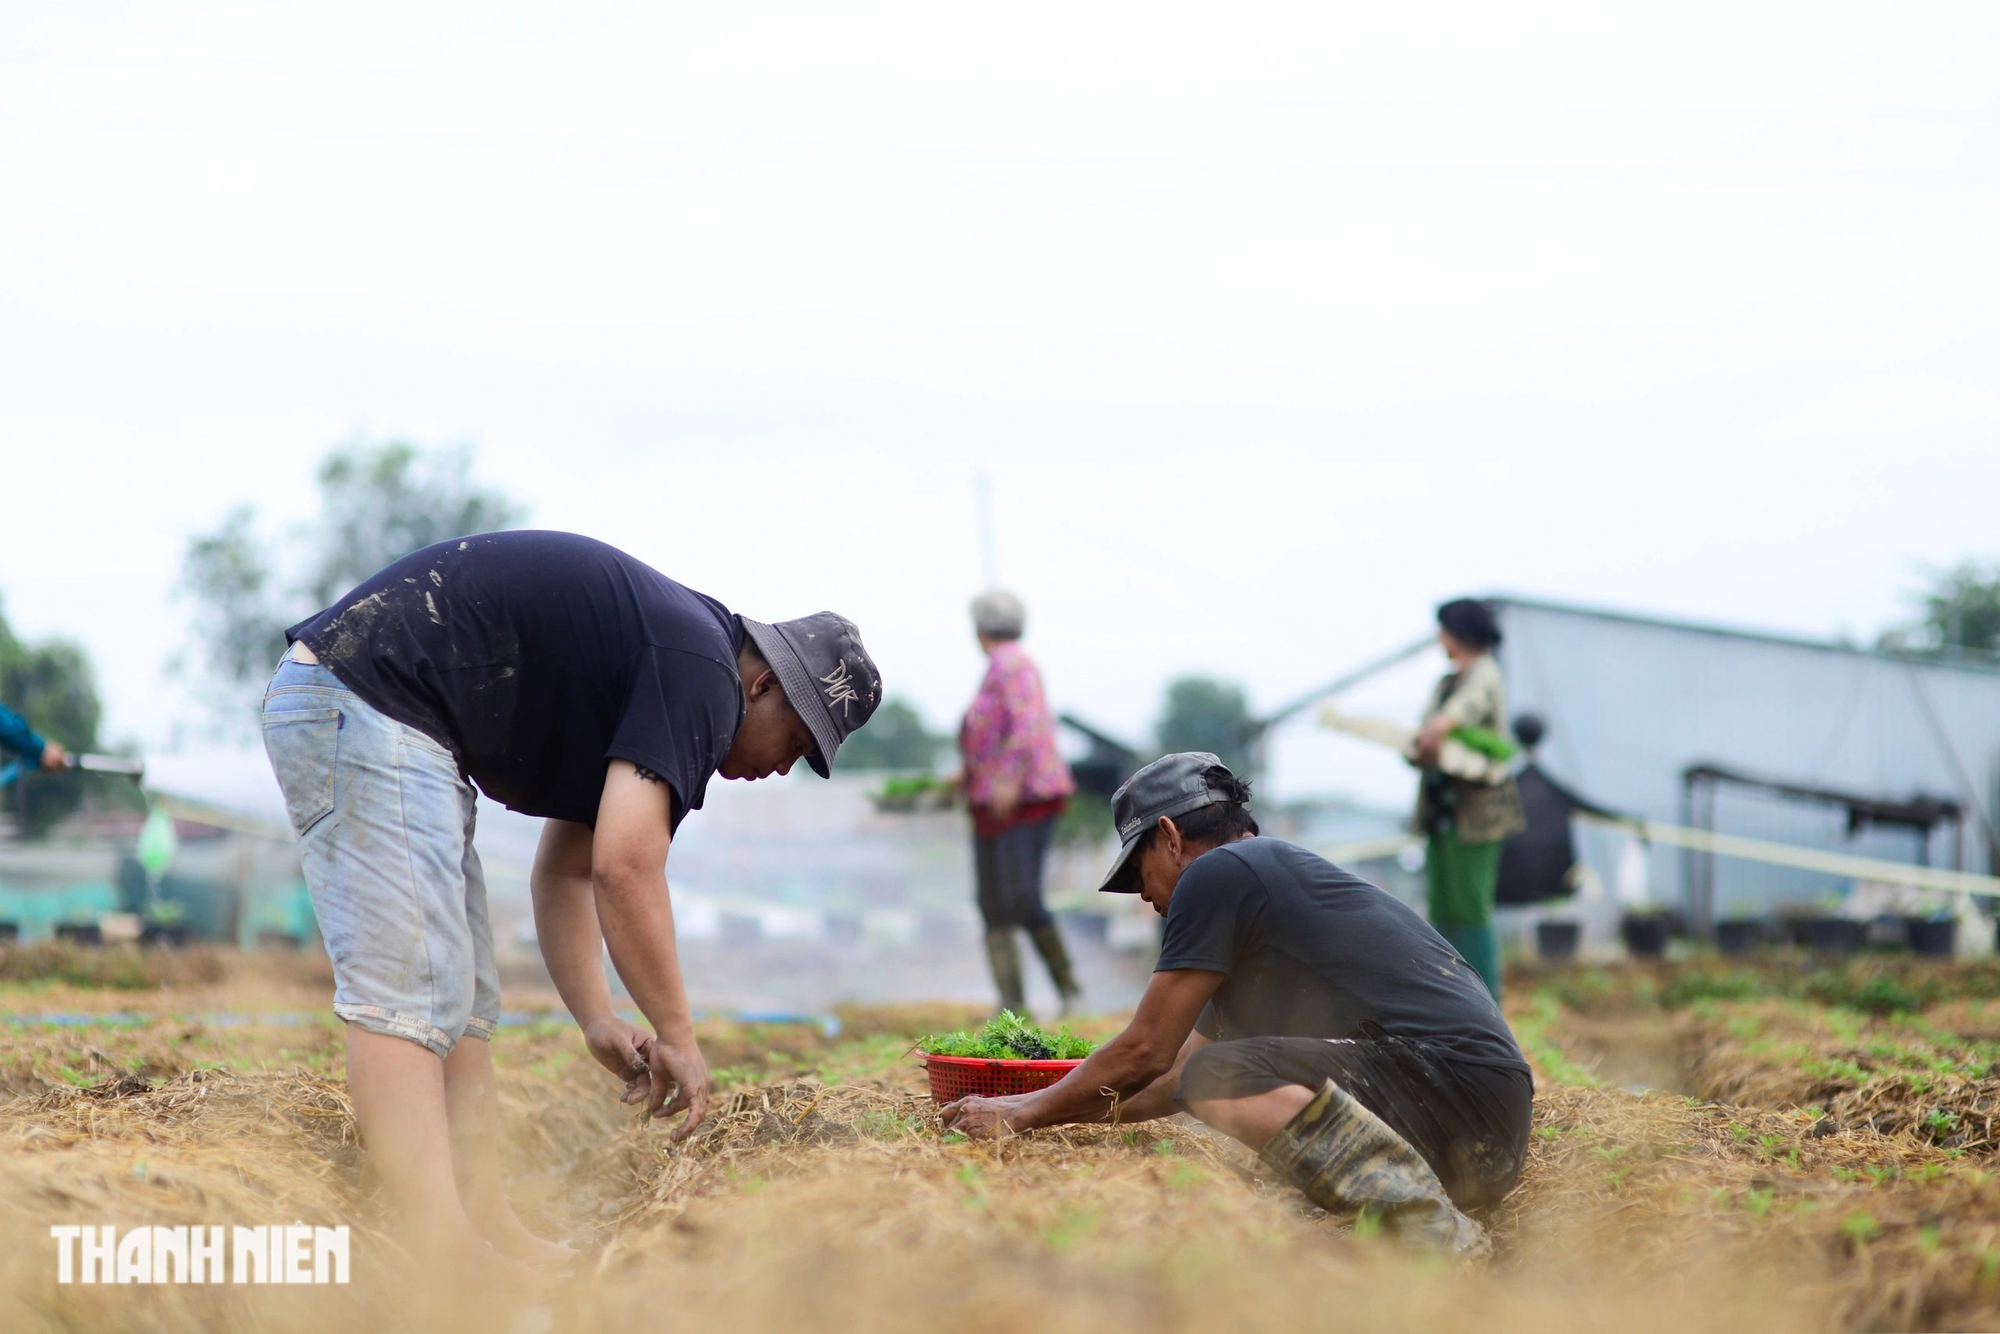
(302, 745)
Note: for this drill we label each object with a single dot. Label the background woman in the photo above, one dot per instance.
(1466, 821)
(1016, 784)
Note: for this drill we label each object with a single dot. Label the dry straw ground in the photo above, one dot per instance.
(1831, 1189)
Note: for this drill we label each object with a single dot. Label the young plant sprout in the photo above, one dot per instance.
(1009, 1037)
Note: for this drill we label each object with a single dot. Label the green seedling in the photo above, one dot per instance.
(1758, 1202)
(1940, 1123)
(1009, 1037)
(974, 1182)
(1074, 1225)
(1860, 1227)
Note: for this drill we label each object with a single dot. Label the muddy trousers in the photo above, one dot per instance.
(1003, 953)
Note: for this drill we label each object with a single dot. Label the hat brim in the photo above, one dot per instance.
(1123, 877)
(799, 692)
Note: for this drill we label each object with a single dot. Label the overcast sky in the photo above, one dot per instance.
(1271, 325)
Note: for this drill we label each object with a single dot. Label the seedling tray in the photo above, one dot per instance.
(955, 1077)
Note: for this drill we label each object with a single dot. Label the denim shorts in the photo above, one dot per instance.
(384, 820)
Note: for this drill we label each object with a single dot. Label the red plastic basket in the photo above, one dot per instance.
(955, 1077)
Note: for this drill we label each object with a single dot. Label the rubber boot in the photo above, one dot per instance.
(1004, 954)
(1346, 1158)
(1049, 944)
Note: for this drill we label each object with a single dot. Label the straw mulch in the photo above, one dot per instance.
(838, 1203)
(1812, 1141)
(1898, 1076)
(204, 1148)
(841, 1206)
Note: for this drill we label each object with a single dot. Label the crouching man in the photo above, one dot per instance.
(1302, 1011)
(569, 681)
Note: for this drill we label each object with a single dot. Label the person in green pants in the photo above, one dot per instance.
(1465, 821)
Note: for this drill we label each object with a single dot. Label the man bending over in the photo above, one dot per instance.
(1301, 1010)
(570, 681)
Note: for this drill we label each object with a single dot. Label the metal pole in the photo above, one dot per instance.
(1690, 859)
(982, 513)
(1707, 925)
(1372, 667)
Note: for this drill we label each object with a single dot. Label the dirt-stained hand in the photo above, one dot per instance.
(619, 1046)
(979, 1118)
(676, 1063)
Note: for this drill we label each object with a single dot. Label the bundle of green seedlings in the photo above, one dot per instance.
(909, 785)
(1009, 1037)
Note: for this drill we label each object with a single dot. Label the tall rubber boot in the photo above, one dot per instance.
(1346, 1158)
(1004, 954)
(1049, 944)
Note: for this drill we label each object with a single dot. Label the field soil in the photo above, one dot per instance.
(1781, 1146)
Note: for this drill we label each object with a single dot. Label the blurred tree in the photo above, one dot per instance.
(1205, 714)
(1086, 819)
(894, 738)
(377, 503)
(228, 576)
(53, 686)
(1960, 613)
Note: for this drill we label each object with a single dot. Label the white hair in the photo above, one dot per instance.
(998, 614)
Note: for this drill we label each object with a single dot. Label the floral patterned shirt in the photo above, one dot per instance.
(1009, 735)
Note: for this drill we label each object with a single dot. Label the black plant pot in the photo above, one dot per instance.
(9, 932)
(173, 935)
(1739, 937)
(1886, 932)
(1937, 936)
(1833, 935)
(1557, 940)
(1645, 937)
(79, 933)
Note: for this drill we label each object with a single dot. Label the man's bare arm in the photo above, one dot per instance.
(573, 948)
(1130, 1072)
(628, 871)
(566, 920)
(1157, 1098)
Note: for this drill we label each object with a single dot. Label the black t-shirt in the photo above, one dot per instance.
(537, 657)
(1312, 951)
